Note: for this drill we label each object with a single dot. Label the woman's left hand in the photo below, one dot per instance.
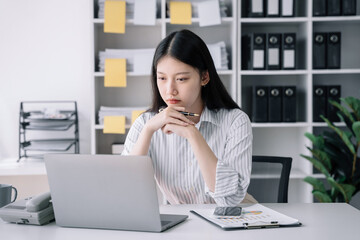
(182, 131)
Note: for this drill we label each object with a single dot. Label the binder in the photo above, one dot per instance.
(273, 51)
(319, 7)
(258, 51)
(333, 50)
(319, 50)
(287, 8)
(288, 51)
(333, 7)
(255, 8)
(349, 7)
(333, 93)
(319, 102)
(289, 104)
(246, 42)
(260, 104)
(275, 104)
(272, 8)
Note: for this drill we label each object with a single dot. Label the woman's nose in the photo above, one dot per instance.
(171, 88)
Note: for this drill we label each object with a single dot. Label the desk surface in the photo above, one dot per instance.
(320, 221)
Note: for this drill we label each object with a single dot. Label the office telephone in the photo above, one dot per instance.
(37, 210)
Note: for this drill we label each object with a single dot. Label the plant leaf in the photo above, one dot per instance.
(356, 129)
(316, 183)
(318, 141)
(342, 109)
(318, 165)
(342, 134)
(322, 157)
(322, 197)
(346, 190)
(354, 104)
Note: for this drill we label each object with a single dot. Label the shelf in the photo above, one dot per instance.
(336, 19)
(323, 124)
(54, 145)
(280, 125)
(132, 74)
(285, 20)
(273, 72)
(100, 127)
(336, 71)
(226, 20)
(100, 21)
(49, 125)
(275, 174)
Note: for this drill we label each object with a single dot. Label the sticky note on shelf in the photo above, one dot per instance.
(114, 16)
(115, 72)
(135, 114)
(180, 13)
(114, 124)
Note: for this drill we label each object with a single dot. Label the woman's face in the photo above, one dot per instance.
(180, 84)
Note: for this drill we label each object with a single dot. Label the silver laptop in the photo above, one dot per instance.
(106, 191)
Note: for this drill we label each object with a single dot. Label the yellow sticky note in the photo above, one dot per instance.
(114, 124)
(115, 72)
(180, 12)
(115, 16)
(135, 114)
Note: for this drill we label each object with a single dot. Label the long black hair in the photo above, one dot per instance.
(190, 49)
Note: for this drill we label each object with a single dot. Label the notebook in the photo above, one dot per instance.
(254, 216)
(107, 192)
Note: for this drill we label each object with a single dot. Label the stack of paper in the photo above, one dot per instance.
(129, 8)
(130, 113)
(138, 61)
(219, 55)
(195, 6)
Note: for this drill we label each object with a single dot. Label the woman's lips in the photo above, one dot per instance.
(173, 101)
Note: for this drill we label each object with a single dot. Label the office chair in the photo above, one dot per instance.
(262, 188)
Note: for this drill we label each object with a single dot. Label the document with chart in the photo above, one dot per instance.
(254, 216)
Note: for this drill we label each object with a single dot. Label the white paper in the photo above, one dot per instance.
(142, 62)
(273, 56)
(215, 52)
(287, 7)
(209, 13)
(258, 59)
(273, 7)
(289, 58)
(257, 6)
(145, 12)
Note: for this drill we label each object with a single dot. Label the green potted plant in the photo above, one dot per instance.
(336, 153)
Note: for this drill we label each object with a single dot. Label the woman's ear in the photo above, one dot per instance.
(205, 78)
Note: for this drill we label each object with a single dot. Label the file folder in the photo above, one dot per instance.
(319, 50)
(275, 104)
(319, 102)
(289, 104)
(319, 7)
(289, 51)
(349, 7)
(255, 8)
(334, 94)
(273, 8)
(260, 104)
(253, 51)
(333, 50)
(287, 8)
(273, 51)
(333, 7)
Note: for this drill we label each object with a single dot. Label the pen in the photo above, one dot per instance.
(184, 113)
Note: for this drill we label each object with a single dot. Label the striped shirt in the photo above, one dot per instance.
(227, 132)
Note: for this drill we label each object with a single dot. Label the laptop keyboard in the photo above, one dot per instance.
(163, 223)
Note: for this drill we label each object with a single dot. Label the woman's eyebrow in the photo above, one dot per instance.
(175, 73)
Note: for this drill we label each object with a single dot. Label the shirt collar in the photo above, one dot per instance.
(208, 115)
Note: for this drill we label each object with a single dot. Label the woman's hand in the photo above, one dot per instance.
(169, 115)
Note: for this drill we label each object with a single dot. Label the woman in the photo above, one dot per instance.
(197, 159)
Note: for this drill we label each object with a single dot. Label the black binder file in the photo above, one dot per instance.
(275, 104)
(333, 50)
(273, 51)
(255, 8)
(319, 50)
(287, 8)
(333, 93)
(260, 104)
(349, 7)
(289, 50)
(272, 8)
(319, 103)
(289, 104)
(333, 7)
(319, 7)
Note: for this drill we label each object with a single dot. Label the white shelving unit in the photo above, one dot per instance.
(279, 139)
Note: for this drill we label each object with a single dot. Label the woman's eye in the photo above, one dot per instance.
(181, 79)
(161, 78)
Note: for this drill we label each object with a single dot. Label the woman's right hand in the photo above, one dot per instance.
(169, 115)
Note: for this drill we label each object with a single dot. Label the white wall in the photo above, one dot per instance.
(45, 54)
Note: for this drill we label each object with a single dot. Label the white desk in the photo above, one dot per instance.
(320, 221)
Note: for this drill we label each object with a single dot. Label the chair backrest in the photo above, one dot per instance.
(283, 182)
